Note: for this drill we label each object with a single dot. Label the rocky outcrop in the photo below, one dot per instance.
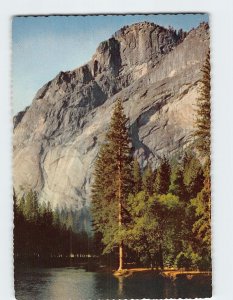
(152, 69)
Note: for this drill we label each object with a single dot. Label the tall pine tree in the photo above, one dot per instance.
(112, 183)
(202, 124)
(202, 134)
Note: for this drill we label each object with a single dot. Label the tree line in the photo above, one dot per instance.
(43, 233)
(157, 217)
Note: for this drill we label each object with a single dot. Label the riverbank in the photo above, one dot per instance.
(167, 273)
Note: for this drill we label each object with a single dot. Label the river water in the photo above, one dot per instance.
(77, 284)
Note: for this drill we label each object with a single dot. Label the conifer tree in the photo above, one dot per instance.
(31, 209)
(177, 186)
(162, 180)
(148, 180)
(193, 175)
(202, 124)
(202, 203)
(112, 183)
(103, 192)
(21, 205)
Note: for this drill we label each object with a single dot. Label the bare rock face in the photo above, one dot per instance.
(154, 71)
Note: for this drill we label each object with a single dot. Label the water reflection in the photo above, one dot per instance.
(120, 287)
(77, 284)
(71, 284)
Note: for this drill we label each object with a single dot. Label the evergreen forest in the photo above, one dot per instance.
(41, 233)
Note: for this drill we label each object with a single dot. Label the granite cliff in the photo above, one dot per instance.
(154, 70)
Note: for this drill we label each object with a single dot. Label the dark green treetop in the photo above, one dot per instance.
(162, 180)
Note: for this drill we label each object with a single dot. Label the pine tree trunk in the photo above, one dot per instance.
(120, 256)
(161, 257)
(120, 216)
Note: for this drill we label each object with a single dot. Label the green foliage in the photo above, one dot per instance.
(202, 205)
(142, 233)
(148, 180)
(177, 186)
(168, 201)
(188, 259)
(202, 131)
(205, 262)
(193, 175)
(152, 227)
(183, 261)
(162, 180)
(31, 209)
(167, 209)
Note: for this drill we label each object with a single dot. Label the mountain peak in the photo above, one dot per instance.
(145, 25)
(133, 46)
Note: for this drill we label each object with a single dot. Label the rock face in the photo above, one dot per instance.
(152, 69)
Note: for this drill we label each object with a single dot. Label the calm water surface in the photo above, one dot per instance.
(77, 284)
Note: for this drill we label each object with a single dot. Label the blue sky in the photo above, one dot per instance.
(44, 46)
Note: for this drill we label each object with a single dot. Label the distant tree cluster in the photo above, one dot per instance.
(40, 232)
(157, 217)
